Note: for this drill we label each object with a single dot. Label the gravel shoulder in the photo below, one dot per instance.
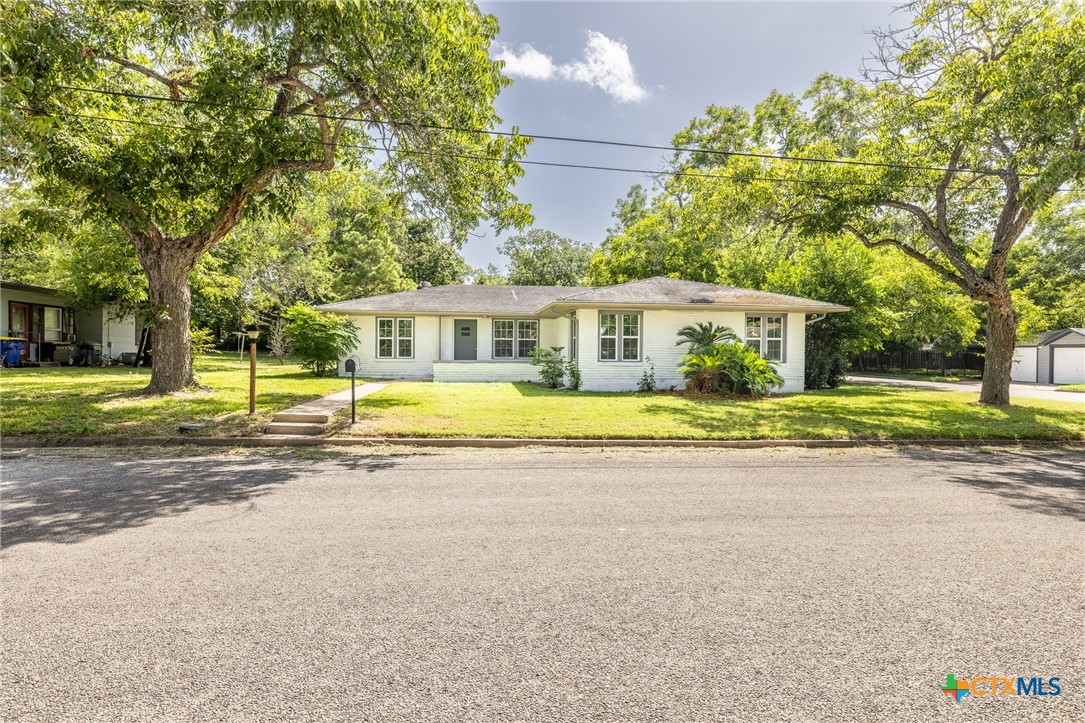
(754, 585)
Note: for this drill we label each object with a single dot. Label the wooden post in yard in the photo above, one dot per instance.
(252, 377)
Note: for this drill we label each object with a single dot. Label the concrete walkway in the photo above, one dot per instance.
(312, 417)
(1028, 391)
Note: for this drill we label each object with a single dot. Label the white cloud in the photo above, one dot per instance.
(530, 63)
(605, 65)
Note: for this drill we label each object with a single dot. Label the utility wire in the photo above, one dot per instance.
(550, 164)
(544, 137)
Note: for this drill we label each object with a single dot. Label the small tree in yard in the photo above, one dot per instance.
(319, 339)
(277, 340)
(552, 363)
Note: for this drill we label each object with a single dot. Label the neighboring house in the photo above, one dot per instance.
(486, 333)
(44, 318)
(1056, 357)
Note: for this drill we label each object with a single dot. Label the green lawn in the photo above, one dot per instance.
(1072, 388)
(851, 412)
(77, 401)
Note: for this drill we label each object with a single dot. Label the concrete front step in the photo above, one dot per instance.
(302, 417)
(295, 428)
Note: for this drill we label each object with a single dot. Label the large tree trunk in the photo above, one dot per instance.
(171, 306)
(998, 363)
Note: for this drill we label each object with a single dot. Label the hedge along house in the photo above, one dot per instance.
(487, 333)
(1055, 357)
(45, 320)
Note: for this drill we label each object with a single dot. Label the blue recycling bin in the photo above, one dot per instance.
(10, 351)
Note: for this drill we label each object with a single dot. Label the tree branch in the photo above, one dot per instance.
(173, 84)
(911, 252)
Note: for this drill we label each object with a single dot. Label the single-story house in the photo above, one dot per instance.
(1055, 357)
(44, 318)
(486, 333)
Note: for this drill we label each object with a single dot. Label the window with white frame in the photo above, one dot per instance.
(395, 338)
(53, 324)
(619, 336)
(515, 338)
(765, 335)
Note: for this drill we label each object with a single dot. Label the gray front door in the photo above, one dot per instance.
(466, 339)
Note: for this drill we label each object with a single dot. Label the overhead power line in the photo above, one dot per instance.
(550, 164)
(545, 137)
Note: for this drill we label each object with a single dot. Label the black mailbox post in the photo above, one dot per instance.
(353, 369)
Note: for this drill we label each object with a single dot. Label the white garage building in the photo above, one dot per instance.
(1057, 357)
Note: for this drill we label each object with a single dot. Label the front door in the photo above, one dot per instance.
(18, 323)
(466, 339)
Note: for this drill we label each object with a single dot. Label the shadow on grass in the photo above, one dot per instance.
(870, 412)
(68, 501)
(1050, 482)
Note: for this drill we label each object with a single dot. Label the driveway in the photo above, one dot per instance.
(1031, 391)
(751, 585)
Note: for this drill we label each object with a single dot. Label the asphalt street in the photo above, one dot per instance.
(535, 585)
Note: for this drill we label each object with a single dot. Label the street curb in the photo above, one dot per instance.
(505, 442)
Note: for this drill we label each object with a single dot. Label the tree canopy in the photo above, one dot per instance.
(174, 120)
(968, 124)
(543, 258)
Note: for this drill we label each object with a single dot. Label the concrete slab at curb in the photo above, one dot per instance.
(504, 443)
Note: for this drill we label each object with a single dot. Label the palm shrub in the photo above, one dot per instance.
(320, 340)
(729, 367)
(702, 336)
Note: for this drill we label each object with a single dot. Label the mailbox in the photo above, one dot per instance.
(350, 366)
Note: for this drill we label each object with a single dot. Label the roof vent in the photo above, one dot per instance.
(701, 300)
(425, 285)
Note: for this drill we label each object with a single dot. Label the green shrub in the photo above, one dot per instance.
(826, 362)
(552, 363)
(729, 368)
(573, 372)
(647, 381)
(320, 340)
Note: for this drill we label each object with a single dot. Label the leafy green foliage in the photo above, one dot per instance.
(552, 363)
(542, 258)
(320, 340)
(729, 368)
(647, 381)
(826, 360)
(572, 370)
(704, 335)
(489, 276)
(175, 120)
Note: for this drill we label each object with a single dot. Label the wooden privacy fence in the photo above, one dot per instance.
(918, 360)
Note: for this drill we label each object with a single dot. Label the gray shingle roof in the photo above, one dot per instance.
(460, 300)
(662, 290)
(656, 291)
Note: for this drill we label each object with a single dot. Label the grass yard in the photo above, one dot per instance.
(1072, 388)
(78, 401)
(864, 411)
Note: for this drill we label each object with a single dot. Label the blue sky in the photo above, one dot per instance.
(639, 72)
